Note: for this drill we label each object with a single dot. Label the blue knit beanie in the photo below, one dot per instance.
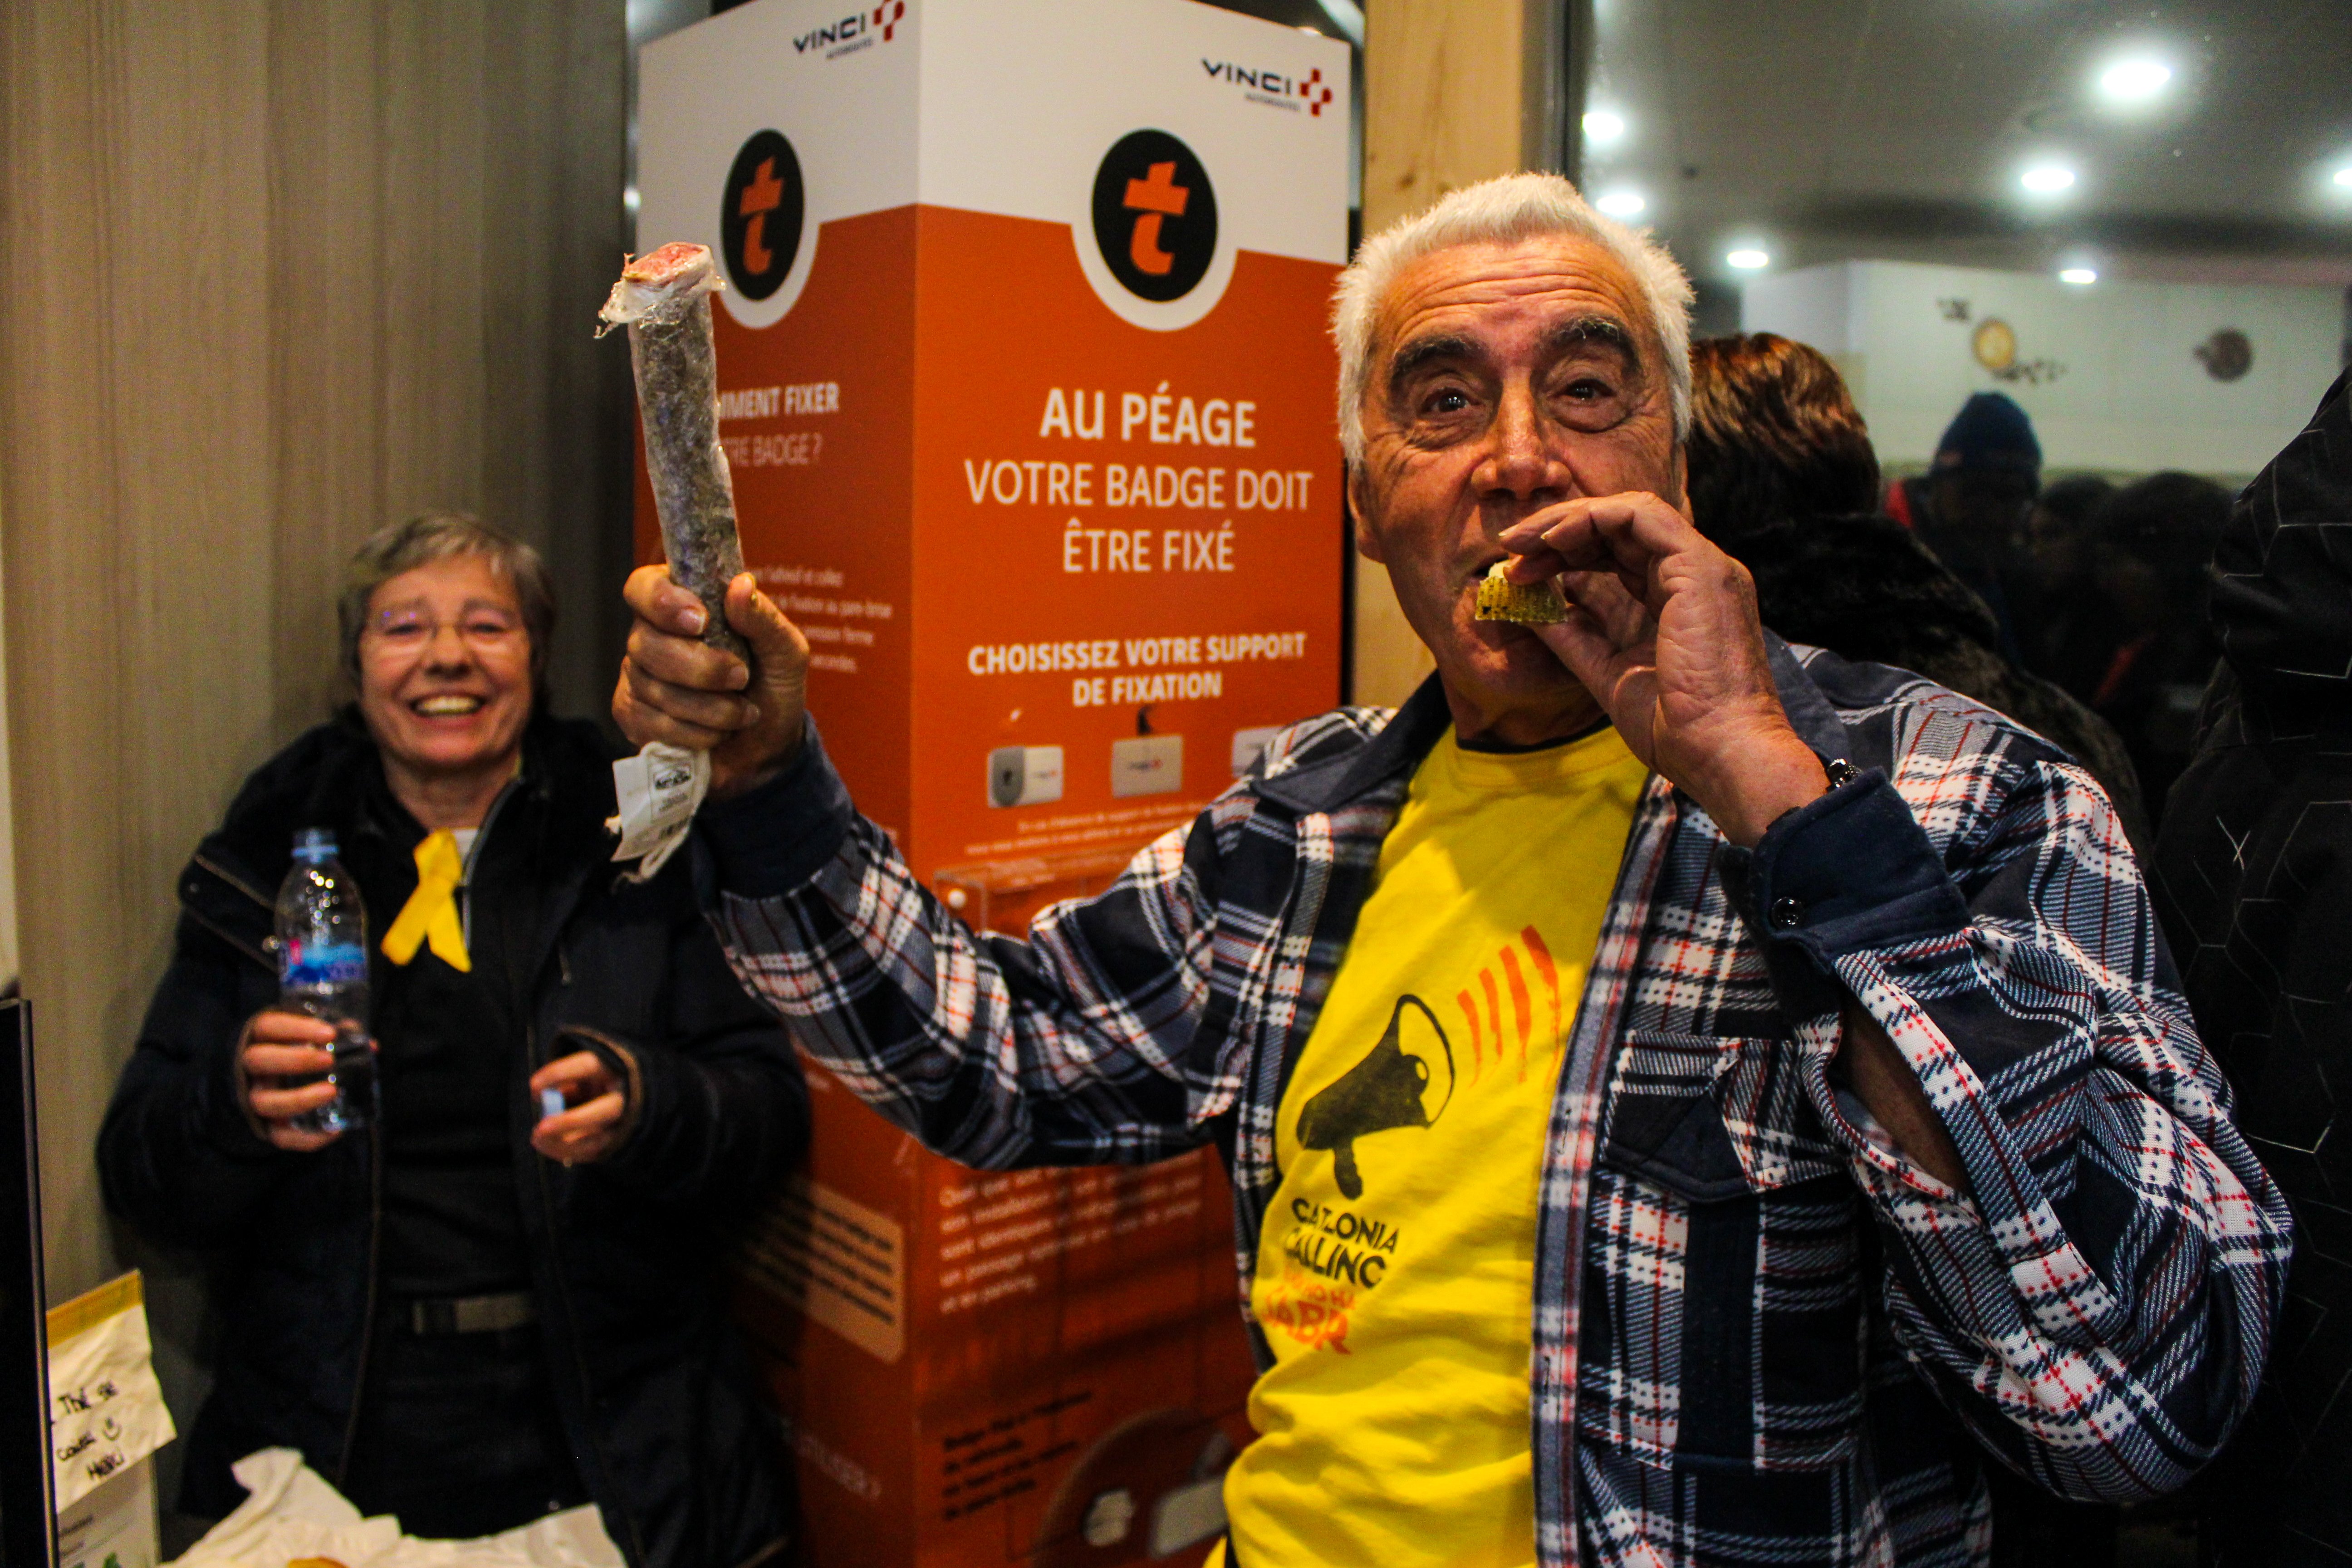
(1989, 434)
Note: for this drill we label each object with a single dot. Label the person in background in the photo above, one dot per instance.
(1833, 1123)
(2252, 879)
(2152, 542)
(474, 1312)
(2068, 629)
(1970, 506)
(1782, 476)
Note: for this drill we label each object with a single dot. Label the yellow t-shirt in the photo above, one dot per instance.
(1396, 1278)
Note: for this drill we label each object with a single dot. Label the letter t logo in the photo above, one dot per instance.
(1154, 197)
(763, 195)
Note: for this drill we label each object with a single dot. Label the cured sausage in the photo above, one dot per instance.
(663, 298)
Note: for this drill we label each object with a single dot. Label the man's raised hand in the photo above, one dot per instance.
(675, 688)
(1662, 631)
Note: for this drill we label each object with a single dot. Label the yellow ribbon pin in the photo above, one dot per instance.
(431, 914)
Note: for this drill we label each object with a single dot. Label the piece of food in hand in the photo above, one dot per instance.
(1528, 603)
(312, 1563)
(663, 300)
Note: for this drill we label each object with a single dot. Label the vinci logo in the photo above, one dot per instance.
(1155, 215)
(1274, 88)
(838, 38)
(761, 214)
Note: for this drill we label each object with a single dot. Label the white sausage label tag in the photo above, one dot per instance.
(658, 791)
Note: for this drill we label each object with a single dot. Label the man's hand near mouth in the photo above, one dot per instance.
(1663, 630)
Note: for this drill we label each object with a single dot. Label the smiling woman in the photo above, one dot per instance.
(448, 1311)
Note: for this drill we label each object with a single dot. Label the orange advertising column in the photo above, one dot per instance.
(1028, 399)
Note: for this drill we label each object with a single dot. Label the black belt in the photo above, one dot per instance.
(469, 1314)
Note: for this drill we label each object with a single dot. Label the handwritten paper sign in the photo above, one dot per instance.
(105, 1409)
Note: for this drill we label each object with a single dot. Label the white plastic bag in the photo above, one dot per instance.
(291, 1513)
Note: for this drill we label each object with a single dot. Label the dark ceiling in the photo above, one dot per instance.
(1823, 130)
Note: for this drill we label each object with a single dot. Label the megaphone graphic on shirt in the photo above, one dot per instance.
(1387, 1090)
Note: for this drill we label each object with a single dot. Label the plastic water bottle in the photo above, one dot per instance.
(322, 972)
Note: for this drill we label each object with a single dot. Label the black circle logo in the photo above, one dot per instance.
(760, 225)
(1155, 215)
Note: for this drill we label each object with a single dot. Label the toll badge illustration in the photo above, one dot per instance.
(1155, 215)
(1388, 1089)
(764, 207)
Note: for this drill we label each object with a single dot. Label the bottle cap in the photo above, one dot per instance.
(314, 844)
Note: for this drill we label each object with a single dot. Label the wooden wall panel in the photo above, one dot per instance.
(1442, 91)
(137, 423)
(436, 371)
(287, 270)
(9, 969)
(1454, 91)
(551, 253)
(327, 259)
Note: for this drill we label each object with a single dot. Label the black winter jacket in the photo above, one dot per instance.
(655, 1393)
(2252, 879)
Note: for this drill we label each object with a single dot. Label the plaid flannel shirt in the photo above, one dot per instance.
(1762, 1334)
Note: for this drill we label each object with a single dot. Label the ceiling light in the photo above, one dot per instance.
(1748, 260)
(2133, 80)
(2047, 179)
(1623, 203)
(2078, 276)
(1605, 128)
(2344, 176)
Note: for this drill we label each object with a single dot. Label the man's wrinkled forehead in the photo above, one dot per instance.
(1552, 293)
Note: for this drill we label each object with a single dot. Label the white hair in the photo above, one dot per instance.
(1502, 211)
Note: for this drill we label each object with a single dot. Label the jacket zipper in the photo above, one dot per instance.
(474, 857)
(234, 881)
(571, 1318)
(260, 955)
(367, 1321)
(532, 1054)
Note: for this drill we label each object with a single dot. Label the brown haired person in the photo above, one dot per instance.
(476, 1311)
(1783, 477)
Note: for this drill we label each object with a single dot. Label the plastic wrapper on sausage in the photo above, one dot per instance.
(663, 298)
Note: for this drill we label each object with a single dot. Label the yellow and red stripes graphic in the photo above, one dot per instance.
(1523, 1015)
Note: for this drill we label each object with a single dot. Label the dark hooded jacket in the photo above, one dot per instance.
(2252, 879)
(653, 1392)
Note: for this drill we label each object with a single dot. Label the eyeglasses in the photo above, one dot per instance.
(482, 628)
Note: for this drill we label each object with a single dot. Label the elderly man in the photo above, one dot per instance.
(1689, 1101)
